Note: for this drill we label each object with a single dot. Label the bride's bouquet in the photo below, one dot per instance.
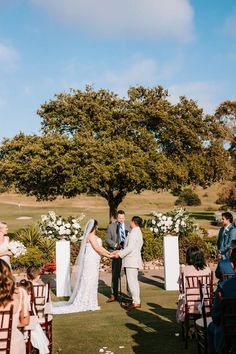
(17, 248)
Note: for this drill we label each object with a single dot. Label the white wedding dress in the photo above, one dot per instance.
(85, 293)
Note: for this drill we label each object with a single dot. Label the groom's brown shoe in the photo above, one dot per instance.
(134, 306)
(112, 298)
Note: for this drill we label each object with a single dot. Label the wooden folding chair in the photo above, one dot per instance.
(6, 317)
(228, 320)
(32, 312)
(190, 286)
(202, 323)
(41, 298)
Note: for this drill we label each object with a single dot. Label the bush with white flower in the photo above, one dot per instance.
(54, 226)
(17, 248)
(175, 222)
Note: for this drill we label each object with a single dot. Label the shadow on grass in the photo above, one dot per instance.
(103, 288)
(157, 331)
(147, 280)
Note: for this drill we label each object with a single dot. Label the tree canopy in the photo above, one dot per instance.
(97, 142)
(226, 114)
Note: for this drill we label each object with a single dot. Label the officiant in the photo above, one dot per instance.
(117, 232)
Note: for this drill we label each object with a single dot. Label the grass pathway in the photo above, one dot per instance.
(151, 329)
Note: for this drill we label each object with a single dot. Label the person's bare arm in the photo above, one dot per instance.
(99, 249)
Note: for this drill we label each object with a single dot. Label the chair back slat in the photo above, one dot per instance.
(192, 291)
(6, 317)
(41, 297)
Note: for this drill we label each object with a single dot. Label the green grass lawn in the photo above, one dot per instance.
(13, 206)
(151, 329)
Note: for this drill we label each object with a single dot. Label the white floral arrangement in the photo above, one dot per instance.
(175, 222)
(17, 248)
(54, 226)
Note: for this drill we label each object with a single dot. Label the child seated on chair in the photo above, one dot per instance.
(33, 275)
(38, 338)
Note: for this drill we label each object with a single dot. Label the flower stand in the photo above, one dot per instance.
(63, 287)
(171, 262)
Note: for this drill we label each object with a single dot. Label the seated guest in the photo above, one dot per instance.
(38, 337)
(225, 266)
(33, 275)
(10, 295)
(195, 266)
(215, 330)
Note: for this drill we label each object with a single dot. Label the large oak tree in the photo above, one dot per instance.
(97, 142)
(226, 114)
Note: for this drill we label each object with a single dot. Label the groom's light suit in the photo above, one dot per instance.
(132, 261)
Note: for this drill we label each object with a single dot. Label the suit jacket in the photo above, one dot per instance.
(224, 239)
(224, 266)
(113, 237)
(228, 290)
(131, 254)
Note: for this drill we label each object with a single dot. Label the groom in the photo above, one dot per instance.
(132, 260)
(116, 236)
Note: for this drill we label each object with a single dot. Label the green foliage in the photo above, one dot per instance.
(40, 250)
(188, 197)
(152, 247)
(227, 195)
(34, 256)
(192, 240)
(74, 251)
(97, 142)
(211, 244)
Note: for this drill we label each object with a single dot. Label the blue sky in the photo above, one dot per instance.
(50, 46)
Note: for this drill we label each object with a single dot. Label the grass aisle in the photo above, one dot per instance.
(150, 329)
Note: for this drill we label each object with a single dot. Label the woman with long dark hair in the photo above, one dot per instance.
(10, 295)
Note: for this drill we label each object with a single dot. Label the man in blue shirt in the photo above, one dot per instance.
(227, 233)
(215, 329)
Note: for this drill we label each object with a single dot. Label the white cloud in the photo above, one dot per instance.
(143, 19)
(137, 70)
(204, 92)
(8, 56)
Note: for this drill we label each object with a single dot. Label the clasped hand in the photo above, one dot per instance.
(114, 254)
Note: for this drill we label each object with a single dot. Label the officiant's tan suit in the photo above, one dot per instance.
(132, 260)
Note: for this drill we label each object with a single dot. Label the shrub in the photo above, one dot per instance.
(191, 240)
(211, 244)
(152, 247)
(34, 256)
(188, 197)
(36, 244)
(227, 195)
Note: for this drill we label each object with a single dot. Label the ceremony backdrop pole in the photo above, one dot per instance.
(171, 262)
(63, 286)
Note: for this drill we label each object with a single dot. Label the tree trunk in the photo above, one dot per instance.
(114, 202)
(113, 205)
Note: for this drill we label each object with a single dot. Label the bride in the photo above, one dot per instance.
(85, 293)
